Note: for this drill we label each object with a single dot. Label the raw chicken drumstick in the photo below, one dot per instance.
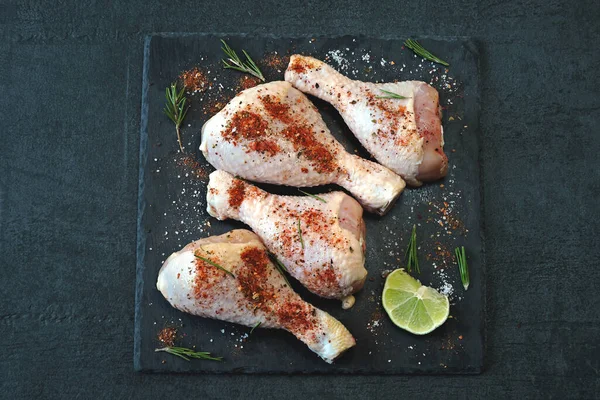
(405, 135)
(248, 290)
(321, 244)
(272, 133)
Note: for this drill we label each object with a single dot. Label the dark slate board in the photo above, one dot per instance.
(172, 213)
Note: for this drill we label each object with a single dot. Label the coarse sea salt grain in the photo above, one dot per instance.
(447, 289)
(339, 58)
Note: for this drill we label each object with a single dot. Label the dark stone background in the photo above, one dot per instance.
(70, 86)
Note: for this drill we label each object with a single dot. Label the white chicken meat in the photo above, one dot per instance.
(321, 243)
(404, 134)
(272, 133)
(230, 278)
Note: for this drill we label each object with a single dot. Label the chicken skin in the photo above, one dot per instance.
(320, 243)
(230, 278)
(272, 133)
(404, 134)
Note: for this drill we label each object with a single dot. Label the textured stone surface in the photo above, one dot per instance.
(69, 110)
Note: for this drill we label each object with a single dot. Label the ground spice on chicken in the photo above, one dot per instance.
(297, 316)
(277, 109)
(206, 277)
(264, 146)
(167, 336)
(194, 80)
(396, 115)
(236, 193)
(304, 142)
(246, 125)
(326, 277)
(253, 277)
(300, 65)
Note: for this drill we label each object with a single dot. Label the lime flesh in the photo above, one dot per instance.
(411, 306)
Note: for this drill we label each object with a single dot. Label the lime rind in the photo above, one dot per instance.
(411, 306)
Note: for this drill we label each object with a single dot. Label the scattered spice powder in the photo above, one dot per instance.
(276, 61)
(246, 125)
(167, 336)
(304, 141)
(207, 276)
(253, 277)
(214, 107)
(265, 146)
(194, 166)
(300, 65)
(194, 80)
(277, 109)
(396, 118)
(447, 218)
(292, 314)
(442, 255)
(297, 316)
(246, 82)
(236, 193)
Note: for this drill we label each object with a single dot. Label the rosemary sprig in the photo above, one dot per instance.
(233, 61)
(187, 354)
(280, 267)
(175, 109)
(411, 252)
(214, 264)
(391, 95)
(322, 200)
(300, 234)
(254, 327)
(420, 51)
(463, 268)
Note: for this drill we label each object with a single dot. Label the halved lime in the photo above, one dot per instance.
(411, 306)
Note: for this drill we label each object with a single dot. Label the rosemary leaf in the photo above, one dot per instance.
(175, 109)
(322, 200)
(420, 51)
(254, 327)
(300, 234)
(463, 268)
(233, 61)
(187, 354)
(411, 252)
(280, 267)
(214, 264)
(391, 95)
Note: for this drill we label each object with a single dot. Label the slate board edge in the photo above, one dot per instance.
(141, 239)
(469, 43)
(474, 46)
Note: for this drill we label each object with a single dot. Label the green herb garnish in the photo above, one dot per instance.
(187, 354)
(411, 252)
(214, 264)
(463, 268)
(420, 51)
(280, 267)
(322, 200)
(254, 327)
(300, 234)
(234, 62)
(391, 95)
(175, 109)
